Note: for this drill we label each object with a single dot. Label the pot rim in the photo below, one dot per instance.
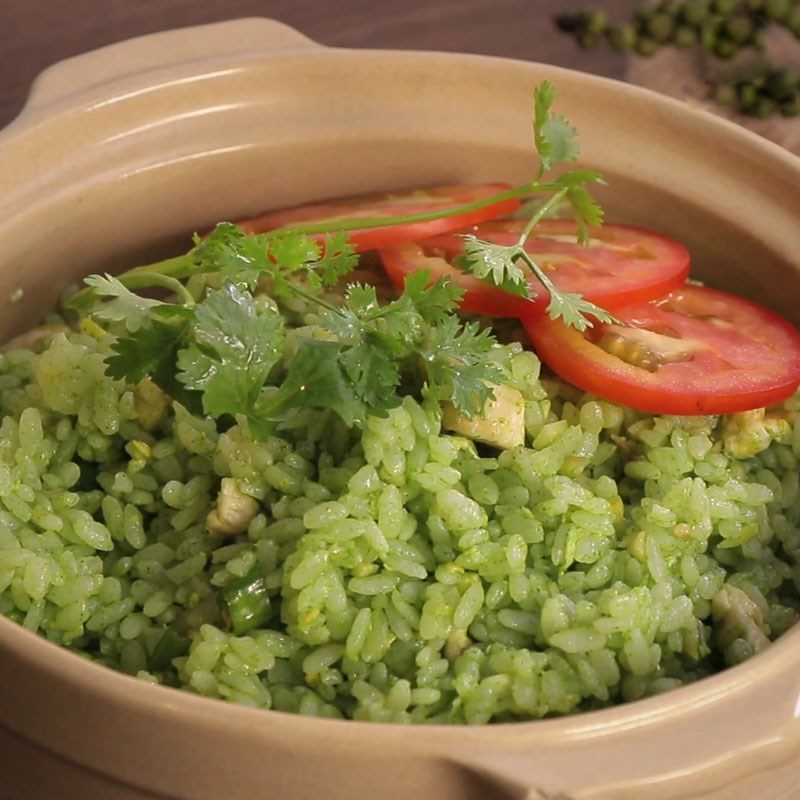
(127, 690)
(59, 664)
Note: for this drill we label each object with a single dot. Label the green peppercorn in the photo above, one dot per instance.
(791, 106)
(596, 22)
(685, 36)
(695, 12)
(622, 38)
(725, 6)
(671, 7)
(660, 27)
(646, 46)
(783, 82)
(758, 42)
(777, 10)
(793, 21)
(739, 29)
(725, 94)
(708, 34)
(748, 96)
(765, 108)
(725, 48)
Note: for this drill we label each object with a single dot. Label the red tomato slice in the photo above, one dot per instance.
(621, 264)
(416, 201)
(697, 351)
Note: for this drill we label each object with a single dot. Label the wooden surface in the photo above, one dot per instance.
(37, 33)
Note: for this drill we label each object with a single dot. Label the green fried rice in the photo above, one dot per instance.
(407, 574)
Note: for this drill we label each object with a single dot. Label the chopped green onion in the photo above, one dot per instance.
(171, 645)
(247, 603)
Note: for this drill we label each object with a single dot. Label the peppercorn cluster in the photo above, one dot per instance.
(762, 93)
(721, 27)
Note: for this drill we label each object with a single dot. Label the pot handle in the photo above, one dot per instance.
(156, 51)
(771, 761)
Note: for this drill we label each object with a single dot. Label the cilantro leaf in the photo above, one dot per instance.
(554, 137)
(457, 365)
(244, 259)
(291, 253)
(586, 209)
(370, 349)
(339, 257)
(125, 306)
(136, 357)
(573, 310)
(153, 351)
(233, 351)
(393, 327)
(433, 302)
(373, 374)
(238, 258)
(362, 299)
(496, 264)
(315, 379)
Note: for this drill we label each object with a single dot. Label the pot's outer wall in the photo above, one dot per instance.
(121, 153)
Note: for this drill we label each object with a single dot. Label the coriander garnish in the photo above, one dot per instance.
(225, 353)
(503, 265)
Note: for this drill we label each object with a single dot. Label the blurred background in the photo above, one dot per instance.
(737, 58)
(37, 33)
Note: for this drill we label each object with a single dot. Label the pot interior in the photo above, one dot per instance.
(109, 185)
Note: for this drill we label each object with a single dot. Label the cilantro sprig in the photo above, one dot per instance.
(217, 347)
(369, 348)
(509, 266)
(230, 356)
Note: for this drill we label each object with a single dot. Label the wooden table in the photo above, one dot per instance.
(36, 33)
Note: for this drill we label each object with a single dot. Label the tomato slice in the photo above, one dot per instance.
(697, 351)
(621, 264)
(416, 201)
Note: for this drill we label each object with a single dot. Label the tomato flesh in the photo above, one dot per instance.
(698, 351)
(418, 201)
(620, 265)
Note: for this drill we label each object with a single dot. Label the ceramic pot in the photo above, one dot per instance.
(120, 153)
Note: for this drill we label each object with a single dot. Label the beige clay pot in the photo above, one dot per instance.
(121, 152)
